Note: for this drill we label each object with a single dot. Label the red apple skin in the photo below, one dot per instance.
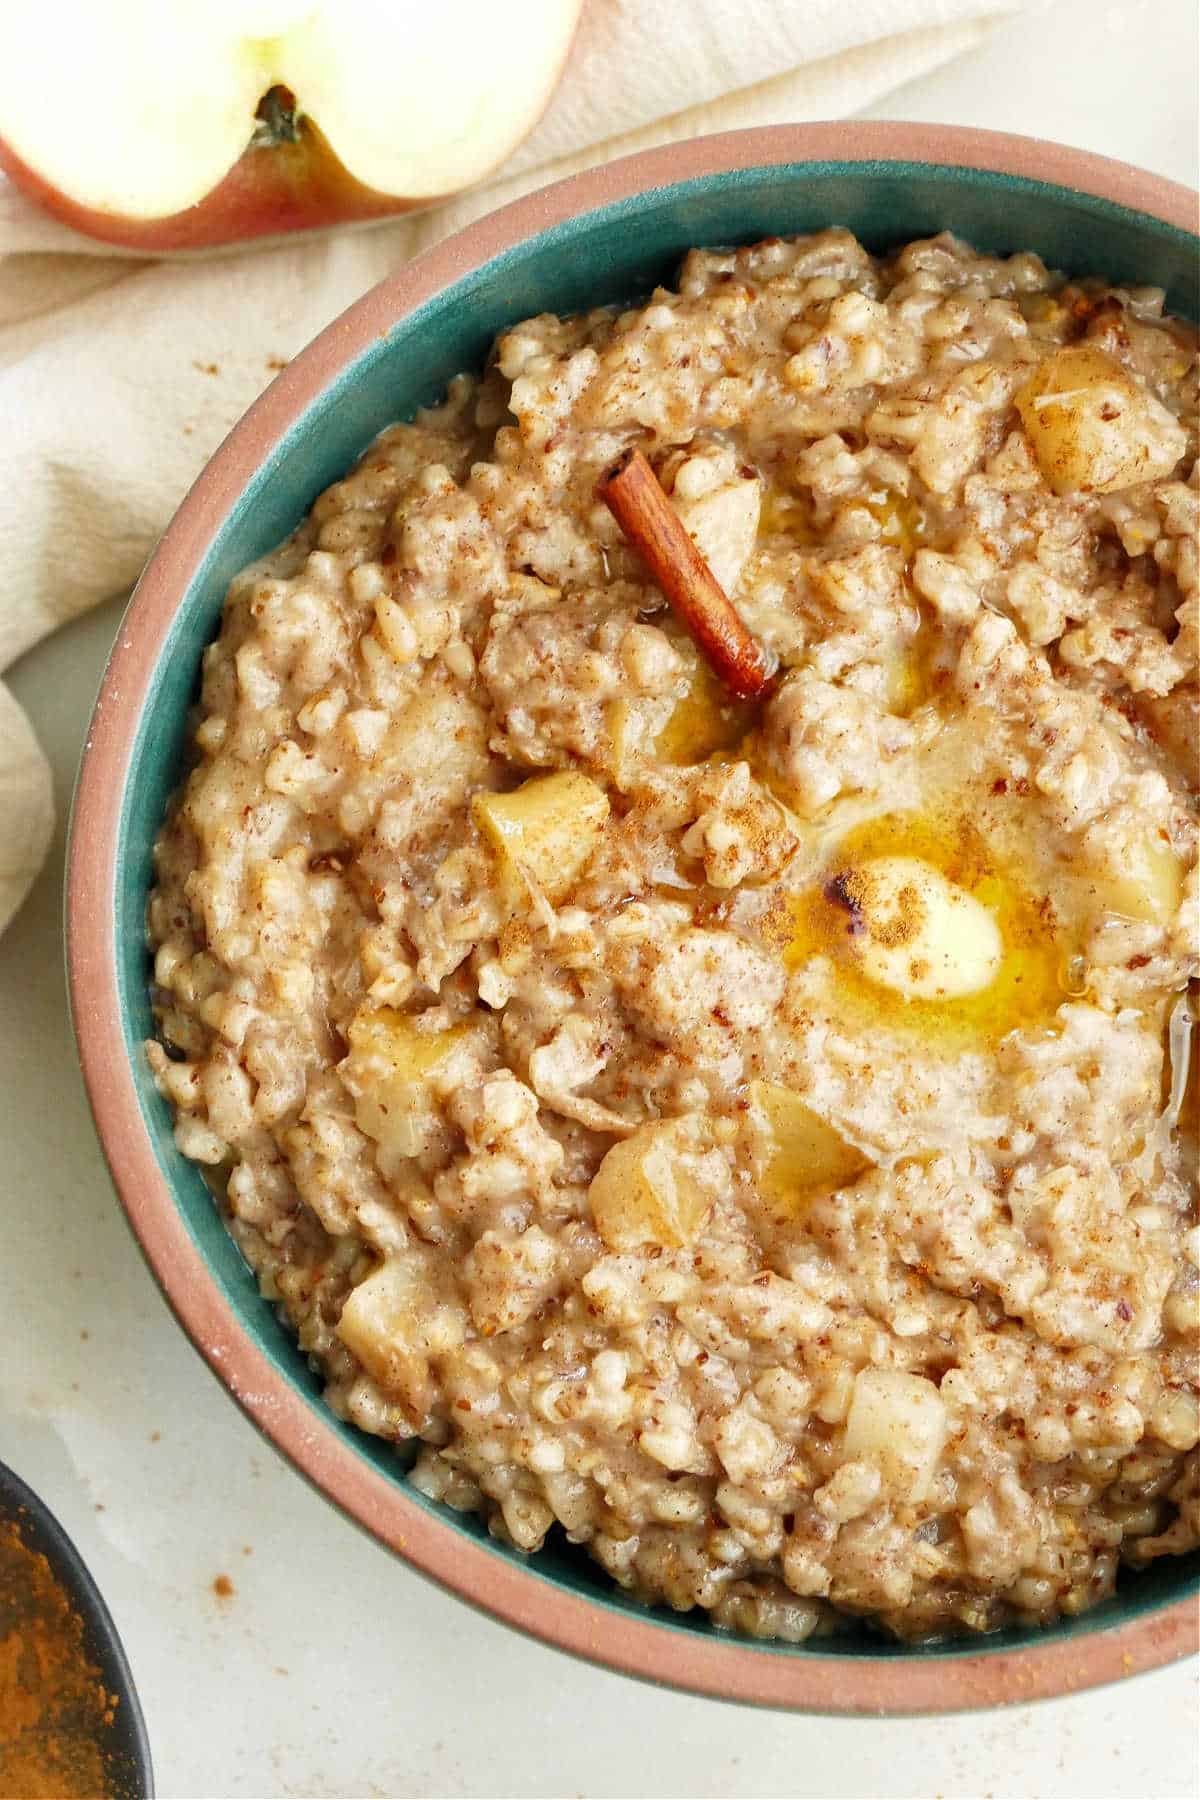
(272, 189)
(294, 183)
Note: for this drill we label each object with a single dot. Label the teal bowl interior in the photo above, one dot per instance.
(616, 253)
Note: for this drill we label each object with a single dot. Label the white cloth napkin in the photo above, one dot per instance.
(119, 376)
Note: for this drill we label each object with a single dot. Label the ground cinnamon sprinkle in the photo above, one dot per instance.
(54, 1709)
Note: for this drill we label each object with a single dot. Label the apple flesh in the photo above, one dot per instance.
(287, 179)
(185, 124)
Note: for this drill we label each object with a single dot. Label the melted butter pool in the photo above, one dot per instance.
(901, 519)
(788, 512)
(1036, 949)
(706, 722)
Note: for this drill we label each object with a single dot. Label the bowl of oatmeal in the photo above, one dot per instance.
(705, 1171)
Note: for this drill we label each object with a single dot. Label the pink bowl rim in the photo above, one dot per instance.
(723, 1668)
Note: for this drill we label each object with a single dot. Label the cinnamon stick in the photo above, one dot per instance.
(631, 491)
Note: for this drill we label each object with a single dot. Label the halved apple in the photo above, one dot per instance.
(184, 124)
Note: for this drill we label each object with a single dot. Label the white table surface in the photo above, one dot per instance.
(332, 1669)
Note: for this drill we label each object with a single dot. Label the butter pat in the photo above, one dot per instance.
(916, 932)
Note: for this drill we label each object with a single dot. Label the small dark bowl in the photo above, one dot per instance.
(126, 1747)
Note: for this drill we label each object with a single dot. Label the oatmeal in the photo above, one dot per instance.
(755, 1139)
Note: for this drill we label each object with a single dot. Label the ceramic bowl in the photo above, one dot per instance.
(607, 235)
